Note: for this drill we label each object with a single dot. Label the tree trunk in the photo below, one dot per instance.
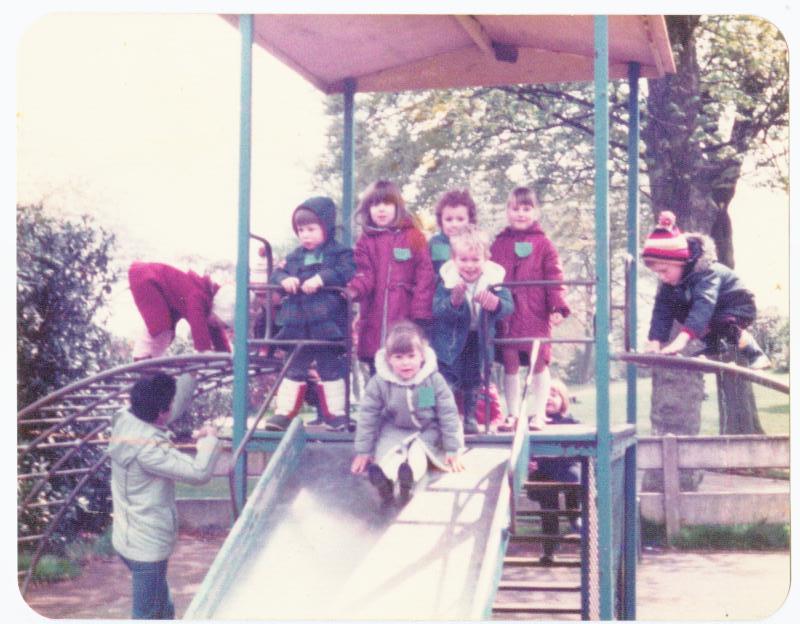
(698, 190)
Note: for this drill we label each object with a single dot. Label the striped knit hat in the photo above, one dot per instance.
(666, 243)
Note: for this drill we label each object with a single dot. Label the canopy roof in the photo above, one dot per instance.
(401, 52)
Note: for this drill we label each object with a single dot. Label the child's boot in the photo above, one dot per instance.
(331, 397)
(381, 482)
(752, 353)
(313, 397)
(511, 385)
(470, 403)
(540, 387)
(405, 477)
(287, 404)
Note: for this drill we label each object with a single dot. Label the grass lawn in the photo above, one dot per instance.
(773, 406)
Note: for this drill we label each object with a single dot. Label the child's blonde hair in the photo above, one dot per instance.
(561, 388)
(471, 237)
(381, 192)
(404, 337)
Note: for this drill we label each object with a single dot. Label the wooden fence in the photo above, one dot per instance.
(675, 509)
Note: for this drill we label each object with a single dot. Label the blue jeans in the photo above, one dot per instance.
(151, 599)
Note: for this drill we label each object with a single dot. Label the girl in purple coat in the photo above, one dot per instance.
(526, 253)
(394, 278)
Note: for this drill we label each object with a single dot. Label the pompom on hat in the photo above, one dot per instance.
(666, 243)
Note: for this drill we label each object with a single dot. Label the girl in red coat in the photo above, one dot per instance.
(164, 295)
(527, 254)
(394, 277)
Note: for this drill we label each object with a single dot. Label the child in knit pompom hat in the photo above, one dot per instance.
(707, 298)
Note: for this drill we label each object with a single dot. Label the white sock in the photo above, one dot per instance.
(540, 388)
(511, 382)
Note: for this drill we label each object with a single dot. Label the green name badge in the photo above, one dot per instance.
(523, 249)
(440, 251)
(425, 397)
(311, 258)
(402, 253)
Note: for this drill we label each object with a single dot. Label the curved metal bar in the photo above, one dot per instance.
(45, 477)
(267, 250)
(701, 365)
(132, 367)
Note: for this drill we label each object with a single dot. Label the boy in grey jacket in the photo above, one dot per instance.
(144, 468)
(408, 416)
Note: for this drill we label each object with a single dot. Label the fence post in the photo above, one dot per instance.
(672, 493)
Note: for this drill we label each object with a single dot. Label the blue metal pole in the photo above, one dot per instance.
(633, 227)
(348, 162)
(631, 508)
(240, 363)
(601, 141)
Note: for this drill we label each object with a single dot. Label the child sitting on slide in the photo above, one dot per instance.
(408, 416)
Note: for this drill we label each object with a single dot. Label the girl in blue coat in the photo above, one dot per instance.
(461, 300)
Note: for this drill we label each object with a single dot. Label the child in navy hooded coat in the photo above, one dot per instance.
(310, 311)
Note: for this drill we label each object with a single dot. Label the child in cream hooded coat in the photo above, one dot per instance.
(408, 416)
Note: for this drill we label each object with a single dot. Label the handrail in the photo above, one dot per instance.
(701, 365)
(267, 250)
(346, 343)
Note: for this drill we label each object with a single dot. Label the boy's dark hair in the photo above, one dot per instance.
(305, 216)
(456, 198)
(523, 195)
(152, 395)
(380, 192)
(405, 337)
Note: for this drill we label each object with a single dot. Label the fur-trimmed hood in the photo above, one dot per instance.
(384, 371)
(492, 274)
(702, 252)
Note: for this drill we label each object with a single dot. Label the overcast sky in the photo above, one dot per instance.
(134, 118)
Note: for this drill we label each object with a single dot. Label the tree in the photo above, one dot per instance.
(64, 277)
(727, 102)
(732, 106)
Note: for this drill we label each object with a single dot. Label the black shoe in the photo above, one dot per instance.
(277, 422)
(339, 423)
(471, 426)
(381, 482)
(405, 478)
(317, 422)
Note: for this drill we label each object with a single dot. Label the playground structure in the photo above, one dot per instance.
(440, 556)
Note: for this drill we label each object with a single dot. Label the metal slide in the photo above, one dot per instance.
(314, 541)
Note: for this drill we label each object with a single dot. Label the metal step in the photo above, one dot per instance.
(526, 608)
(537, 587)
(533, 562)
(545, 537)
(552, 485)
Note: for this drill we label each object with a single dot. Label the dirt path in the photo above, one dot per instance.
(103, 591)
(671, 585)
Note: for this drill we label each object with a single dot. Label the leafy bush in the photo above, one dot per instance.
(64, 278)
